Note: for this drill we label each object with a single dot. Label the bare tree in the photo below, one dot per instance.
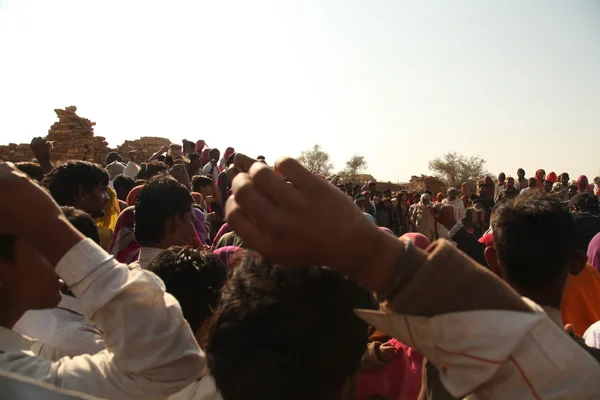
(454, 169)
(354, 166)
(316, 161)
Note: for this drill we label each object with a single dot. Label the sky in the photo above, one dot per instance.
(399, 82)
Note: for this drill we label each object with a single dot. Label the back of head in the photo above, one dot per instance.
(199, 181)
(154, 168)
(194, 278)
(123, 185)
(160, 199)
(112, 157)
(66, 180)
(31, 169)
(286, 333)
(534, 237)
(82, 222)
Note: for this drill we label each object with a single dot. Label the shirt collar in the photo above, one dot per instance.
(147, 255)
(70, 303)
(554, 315)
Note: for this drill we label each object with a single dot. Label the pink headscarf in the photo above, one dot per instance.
(582, 183)
(226, 253)
(200, 145)
(418, 239)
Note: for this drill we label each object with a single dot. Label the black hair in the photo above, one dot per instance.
(169, 161)
(532, 183)
(194, 277)
(160, 199)
(276, 326)
(534, 237)
(31, 169)
(142, 172)
(154, 168)
(65, 181)
(112, 156)
(210, 153)
(140, 182)
(7, 248)
(521, 170)
(82, 222)
(123, 184)
(501, 174)
(199, 181)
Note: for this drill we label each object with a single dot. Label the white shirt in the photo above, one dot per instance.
(208, 167)
(131, 170)
(592, 335)
(497, 355)
(460, 212)
(201, 389)
(147, 255)
(150, 353)
(64, 328)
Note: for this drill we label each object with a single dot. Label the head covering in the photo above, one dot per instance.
(228, 151)
(488, 181)
(200, 146)
(440, 196)
(197, 197)
(199, 227)
(226, 255)
(487, 240)
(425, 196)
(133, 195)
(114, 168)
(539, 182)
(552, 177)
(223, 230)
(123, 245)
(418, 239)
(582, 183)
(112, 209)
(593, 252)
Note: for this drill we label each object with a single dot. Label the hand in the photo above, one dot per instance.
(444, 214)
(241, 163)
(282, 223)
(132, 156)
(386, 352)
(41, 149)
(39, 219)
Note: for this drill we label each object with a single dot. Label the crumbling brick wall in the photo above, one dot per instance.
(73, 139)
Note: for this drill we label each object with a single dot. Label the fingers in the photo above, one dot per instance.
(272, 186)
(296, 173)
(242, 162)
(255, 205)
(254, 237)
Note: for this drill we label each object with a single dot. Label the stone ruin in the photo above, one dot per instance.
(73, 139)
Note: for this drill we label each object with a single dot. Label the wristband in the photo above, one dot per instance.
(399, 270)
(457, 226)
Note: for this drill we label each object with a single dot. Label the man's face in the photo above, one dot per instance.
(564, 178)
(483, 190)
(572, 192)
(510, 183)
(93, 202)
(501, 178)
(547, 186)
(521, 174)
(206, 191)
(452, 195)
(425, 200)
(214, 155)
(184, 229)
(30, 281)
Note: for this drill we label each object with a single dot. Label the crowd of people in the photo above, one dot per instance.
(189, 275)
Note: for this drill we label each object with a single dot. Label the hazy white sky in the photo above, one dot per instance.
(516, 82)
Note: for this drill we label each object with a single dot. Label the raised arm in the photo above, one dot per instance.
(482, 336)
(150, 349)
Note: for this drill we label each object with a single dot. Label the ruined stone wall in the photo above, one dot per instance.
(73, 139)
